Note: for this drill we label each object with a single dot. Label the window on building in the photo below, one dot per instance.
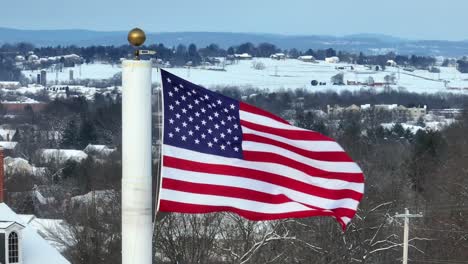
(13, 248)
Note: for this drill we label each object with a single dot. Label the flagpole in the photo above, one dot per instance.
(137, 228)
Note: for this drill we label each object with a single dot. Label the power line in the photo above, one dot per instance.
(441, 230)
(440, 261)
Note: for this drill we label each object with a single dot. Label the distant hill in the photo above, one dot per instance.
(367, 43)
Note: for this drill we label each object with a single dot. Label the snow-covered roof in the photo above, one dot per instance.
(103, 195)
(332, 59)
(36, 250)
(6, 224)
(413, 128)
(243, 55)
(4, 133)
(306, 57)
(365, 106)
(50, 229)
(277, 55)
(8, 83)
(101, 149)
(62, 155)
(19, 165)
(41, 199)
(387, 106)
(8, 144)
(22, 100)
(16, 164)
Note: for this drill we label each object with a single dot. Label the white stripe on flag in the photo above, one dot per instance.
(310, 145)
(266, 121)
(259, 186)
(248, 205)
(285, 171)
(331, 166)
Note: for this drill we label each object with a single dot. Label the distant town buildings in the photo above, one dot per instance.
(413, 113)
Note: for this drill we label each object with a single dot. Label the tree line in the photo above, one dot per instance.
(181, 54)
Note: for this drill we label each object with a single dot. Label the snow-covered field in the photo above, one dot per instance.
(286, 74)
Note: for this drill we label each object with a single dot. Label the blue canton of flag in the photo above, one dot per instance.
(198, 119)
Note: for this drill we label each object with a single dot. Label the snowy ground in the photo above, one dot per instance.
(286, 74)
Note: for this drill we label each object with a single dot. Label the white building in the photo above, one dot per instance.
(306, 58)
(21, 244)
(278, 56)
(391, 63)
(332, 59)
(243, 56)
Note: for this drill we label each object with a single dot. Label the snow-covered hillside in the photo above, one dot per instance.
(289, 74)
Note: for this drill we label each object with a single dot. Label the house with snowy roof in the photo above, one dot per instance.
(9, 147)
(306, 58)
(243, 56)
(99, 150)
(7, 134)
(19, 241)
(61, 156)
(21, 244)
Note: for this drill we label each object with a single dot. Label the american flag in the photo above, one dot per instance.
(220, 154)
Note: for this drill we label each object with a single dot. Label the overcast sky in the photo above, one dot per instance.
(413, 19)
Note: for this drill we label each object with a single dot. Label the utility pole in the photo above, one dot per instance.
(407, 216)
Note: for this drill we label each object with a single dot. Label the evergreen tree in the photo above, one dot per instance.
(70, 135)
(193, 55)
(17, 136)
(88, 134)
(330, 53)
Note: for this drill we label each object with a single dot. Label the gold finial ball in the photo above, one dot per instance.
(136, 37)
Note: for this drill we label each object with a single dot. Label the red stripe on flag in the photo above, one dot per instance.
(254, 110)
(241, 193)
(258, 156)
(261, 176)
(287, 133)
(188, 208)
(324, 156)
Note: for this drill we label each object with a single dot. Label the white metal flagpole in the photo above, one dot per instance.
(137, 228)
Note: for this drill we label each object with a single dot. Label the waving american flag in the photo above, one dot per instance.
(220, 154)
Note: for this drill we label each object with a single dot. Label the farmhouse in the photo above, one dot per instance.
(332, 59)
(278, 56)
(306, 58)
(391, 63)
(243, 56)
